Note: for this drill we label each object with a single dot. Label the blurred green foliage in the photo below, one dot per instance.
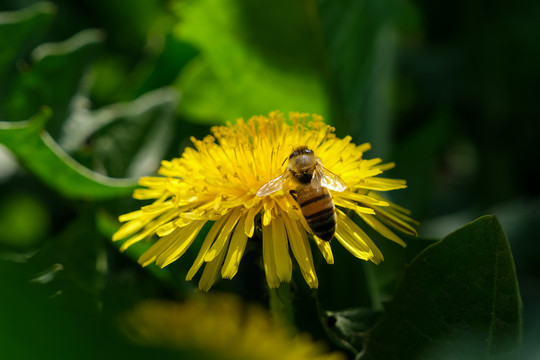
(94, 94)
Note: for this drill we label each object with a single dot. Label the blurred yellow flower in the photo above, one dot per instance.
(216, 183)
(221, 327)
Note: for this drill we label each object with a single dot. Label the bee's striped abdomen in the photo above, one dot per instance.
(318, 210)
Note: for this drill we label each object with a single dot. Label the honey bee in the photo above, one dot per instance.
(312, 195)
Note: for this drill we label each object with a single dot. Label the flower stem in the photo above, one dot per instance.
(374, 292)
(281, 305)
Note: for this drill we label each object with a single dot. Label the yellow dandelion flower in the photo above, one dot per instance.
(253, 168)
(221, 327)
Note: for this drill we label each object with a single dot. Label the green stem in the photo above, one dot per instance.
(281, 305)
(374, 293)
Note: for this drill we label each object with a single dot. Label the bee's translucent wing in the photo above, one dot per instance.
(273, 185)
(328, 179)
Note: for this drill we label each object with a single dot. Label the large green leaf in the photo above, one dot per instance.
(38, 152)
(458, 300)
(256, 56)
(384, 278)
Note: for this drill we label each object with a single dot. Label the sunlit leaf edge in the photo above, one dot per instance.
(40, 154)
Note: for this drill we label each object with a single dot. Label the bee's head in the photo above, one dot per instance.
(302, 160)
(301, 150)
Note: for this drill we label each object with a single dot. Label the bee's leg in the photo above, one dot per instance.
(293, 194)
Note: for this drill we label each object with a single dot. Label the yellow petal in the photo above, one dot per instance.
(181, 243)
(397, 221)
(211, 271)
(128, 229)
(351, 205)
(149, 230)
(267, 213)
(130, 216)
(302, 252)
(249, 226)
(269, 257)
(355, 240)
(166, 229)
(326, 250)
(151, 254)
(236, 250)
(382, 229)
(145, 194)
(223, 236)
(364, 199)
(281, 250)
(206, 246)
(383, 184)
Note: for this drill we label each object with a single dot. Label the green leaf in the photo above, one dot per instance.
(127, 139)
(249, 62)
(53, 78)
(17, 28)
(384, 278)
(38, 152)
(459, 300)
(346, 327)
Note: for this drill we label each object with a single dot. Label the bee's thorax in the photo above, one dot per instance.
(301, 165)
(303, 177)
